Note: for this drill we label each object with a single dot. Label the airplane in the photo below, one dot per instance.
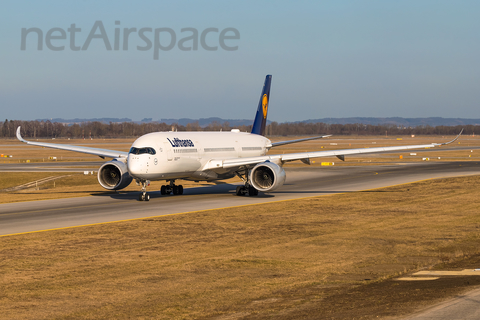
(208, 156)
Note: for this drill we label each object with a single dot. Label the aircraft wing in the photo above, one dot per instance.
(306, 156)
(102, 153)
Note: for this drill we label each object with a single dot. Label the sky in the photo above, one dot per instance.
(358, 58)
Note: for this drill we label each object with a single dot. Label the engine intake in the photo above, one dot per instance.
(267, 176)
(113, 175)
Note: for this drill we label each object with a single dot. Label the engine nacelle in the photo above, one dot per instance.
(113, 175)
(267, 176)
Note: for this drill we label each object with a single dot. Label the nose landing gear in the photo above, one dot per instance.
(144, 196)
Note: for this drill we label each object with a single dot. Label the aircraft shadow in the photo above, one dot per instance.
(224, 189)
(314, 192)
(133, 195)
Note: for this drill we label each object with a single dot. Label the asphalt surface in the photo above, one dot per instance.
(465, 307)
(301, 182)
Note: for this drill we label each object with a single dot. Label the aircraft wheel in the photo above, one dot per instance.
(241, 190)
(177, 190)
(163, 190)
(252, 191)
(143, 197)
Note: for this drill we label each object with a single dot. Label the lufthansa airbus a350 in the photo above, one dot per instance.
(209, 156)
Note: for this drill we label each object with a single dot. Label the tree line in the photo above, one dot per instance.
(48, 129)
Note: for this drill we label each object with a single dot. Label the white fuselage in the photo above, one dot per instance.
(184, 155)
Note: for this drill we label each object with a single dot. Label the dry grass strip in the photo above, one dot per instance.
(33, 184)
(311, 258)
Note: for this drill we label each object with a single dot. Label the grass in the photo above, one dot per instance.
(322, 257)
(75, 185)
(8, 179)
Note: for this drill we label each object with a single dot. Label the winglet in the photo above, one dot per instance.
(261, 117)
(442, 144)
(19, 136)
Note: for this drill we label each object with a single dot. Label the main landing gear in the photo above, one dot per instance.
(168, 189)
(247, 189)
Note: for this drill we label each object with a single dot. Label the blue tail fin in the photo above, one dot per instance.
(261, 117)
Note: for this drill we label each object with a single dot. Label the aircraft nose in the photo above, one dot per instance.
(134, 165)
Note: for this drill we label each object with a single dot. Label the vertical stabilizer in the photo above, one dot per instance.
(261, 117)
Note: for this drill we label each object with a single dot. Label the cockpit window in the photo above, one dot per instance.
(142, 150)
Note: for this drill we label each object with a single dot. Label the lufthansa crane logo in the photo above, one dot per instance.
(265, 105)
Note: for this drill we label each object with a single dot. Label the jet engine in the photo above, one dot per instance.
(113, 175)
(267, 176)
